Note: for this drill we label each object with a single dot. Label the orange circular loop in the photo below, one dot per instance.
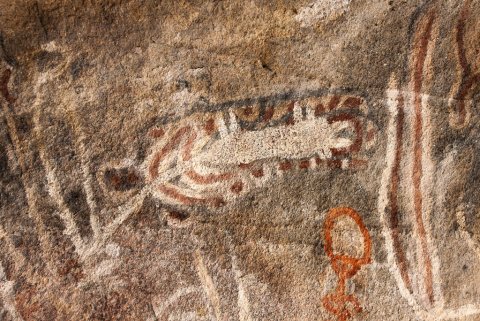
(345, 264)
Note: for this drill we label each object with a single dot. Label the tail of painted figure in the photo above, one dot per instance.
(407, 186)
(461, 97)
(404, 201)
(210, 158)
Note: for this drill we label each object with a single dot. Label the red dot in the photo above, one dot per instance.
(237, 187)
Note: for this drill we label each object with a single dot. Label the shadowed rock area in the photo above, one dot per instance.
(240, 160)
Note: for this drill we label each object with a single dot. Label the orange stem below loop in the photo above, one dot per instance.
(345, 266)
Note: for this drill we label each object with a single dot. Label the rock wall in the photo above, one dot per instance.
(240, 160)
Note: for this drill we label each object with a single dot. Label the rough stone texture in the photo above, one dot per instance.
(240, 160)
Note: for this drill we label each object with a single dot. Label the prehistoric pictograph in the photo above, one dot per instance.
(339, 303)
(409, 162)
(210, 158)
(468, 66)
(187, 312)
(218, 155)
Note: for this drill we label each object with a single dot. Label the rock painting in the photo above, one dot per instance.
(211, 158)
(410, 164)
(339, 303)
(468, 65)
(70, 208)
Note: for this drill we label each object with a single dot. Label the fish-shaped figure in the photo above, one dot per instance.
(213, 157)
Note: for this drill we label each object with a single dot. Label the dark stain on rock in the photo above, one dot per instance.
(147, 217)
(41, 19)
(4, 169)
(122, 179)
(4, 315)
(4, 86)
(71, 268)
(27, 243)
(24, 123)
(77, 202)
(112, 306)
(6, 264)
(52, 221)
(5, 54)
(47, 60)
(77, 67)
(318, 249)
(182, 84)
(178, 216)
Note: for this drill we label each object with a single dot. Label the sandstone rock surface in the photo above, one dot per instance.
(240, 160)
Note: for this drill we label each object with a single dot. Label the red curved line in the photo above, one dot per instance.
(159, 156)
(417, 172)
(356, 263)
(400, 256)
(459, 38)
(189, 145)
(208, 179)
(462, 93)
(188, 200)
(333, 103)
(4, 86)
(467, 79)
(357, 143)
(352, 102)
